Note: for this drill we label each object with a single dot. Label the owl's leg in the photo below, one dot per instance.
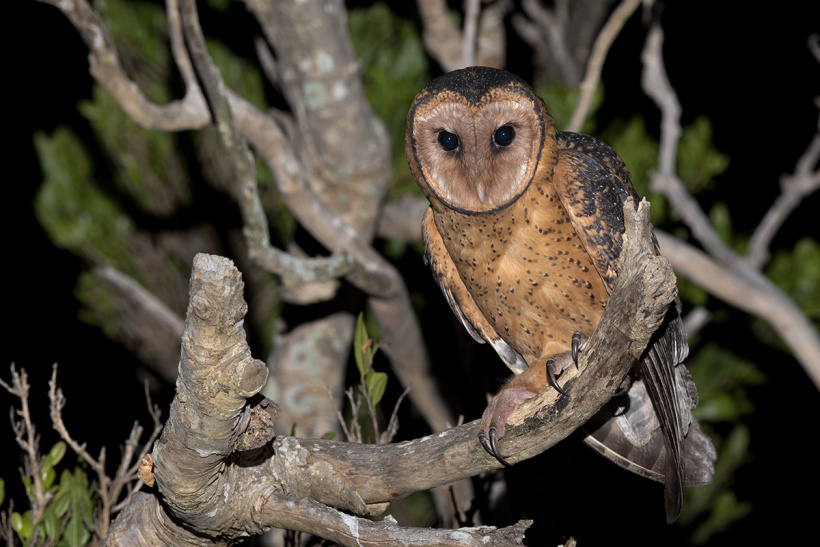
(518, 389)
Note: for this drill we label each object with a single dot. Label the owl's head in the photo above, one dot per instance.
(475, 138)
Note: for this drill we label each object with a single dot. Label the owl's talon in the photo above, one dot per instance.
(491, 446)
(579, 342)
(624, 388)
(551, 376)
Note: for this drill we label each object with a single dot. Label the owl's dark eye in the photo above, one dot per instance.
(504, 135)
(447, 141)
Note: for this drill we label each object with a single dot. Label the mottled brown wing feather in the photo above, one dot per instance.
(459, 298)
(594, 184)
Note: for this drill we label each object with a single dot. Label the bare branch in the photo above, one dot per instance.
(595, 64)
(814, 46)
(26, 436)
(472, 10)
(189, 113)
(57, 400)
(308, 516)
(793, 188)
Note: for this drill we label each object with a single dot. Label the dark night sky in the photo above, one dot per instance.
(747, 69)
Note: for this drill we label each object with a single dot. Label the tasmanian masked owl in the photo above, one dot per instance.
(523, 233)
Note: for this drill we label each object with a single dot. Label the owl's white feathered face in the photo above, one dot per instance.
(475, 138)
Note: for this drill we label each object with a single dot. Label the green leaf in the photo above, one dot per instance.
(47, 476)
(62, 501)
(76, 534)
(796, 272)
(71, 208)
(27, 485)
(722, 221)
(50, 523)
(376, 383)
(22, 525)
(699, 162)
(2, 490)
(360, 339)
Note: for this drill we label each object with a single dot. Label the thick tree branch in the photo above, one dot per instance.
(220, 476)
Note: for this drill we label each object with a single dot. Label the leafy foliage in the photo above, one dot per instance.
(797, 272)
(66, 520)
(364, 350)
(75, 213)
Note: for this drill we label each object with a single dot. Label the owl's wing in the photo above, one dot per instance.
(594, 184)
(446, 275)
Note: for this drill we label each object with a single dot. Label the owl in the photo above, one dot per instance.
(523, 234)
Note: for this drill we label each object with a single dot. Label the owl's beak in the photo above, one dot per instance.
(480, 193)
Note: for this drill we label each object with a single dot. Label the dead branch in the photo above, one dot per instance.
(109, 489)
(472, 9)
(545, 30)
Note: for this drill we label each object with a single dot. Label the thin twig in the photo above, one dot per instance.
(393, 424)
(57, 399)
(793, 188)
(595, 64)
(26, 436)
(552, 25)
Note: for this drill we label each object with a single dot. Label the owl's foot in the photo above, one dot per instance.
(494, 420)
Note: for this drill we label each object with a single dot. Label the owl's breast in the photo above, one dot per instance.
(528, 272)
